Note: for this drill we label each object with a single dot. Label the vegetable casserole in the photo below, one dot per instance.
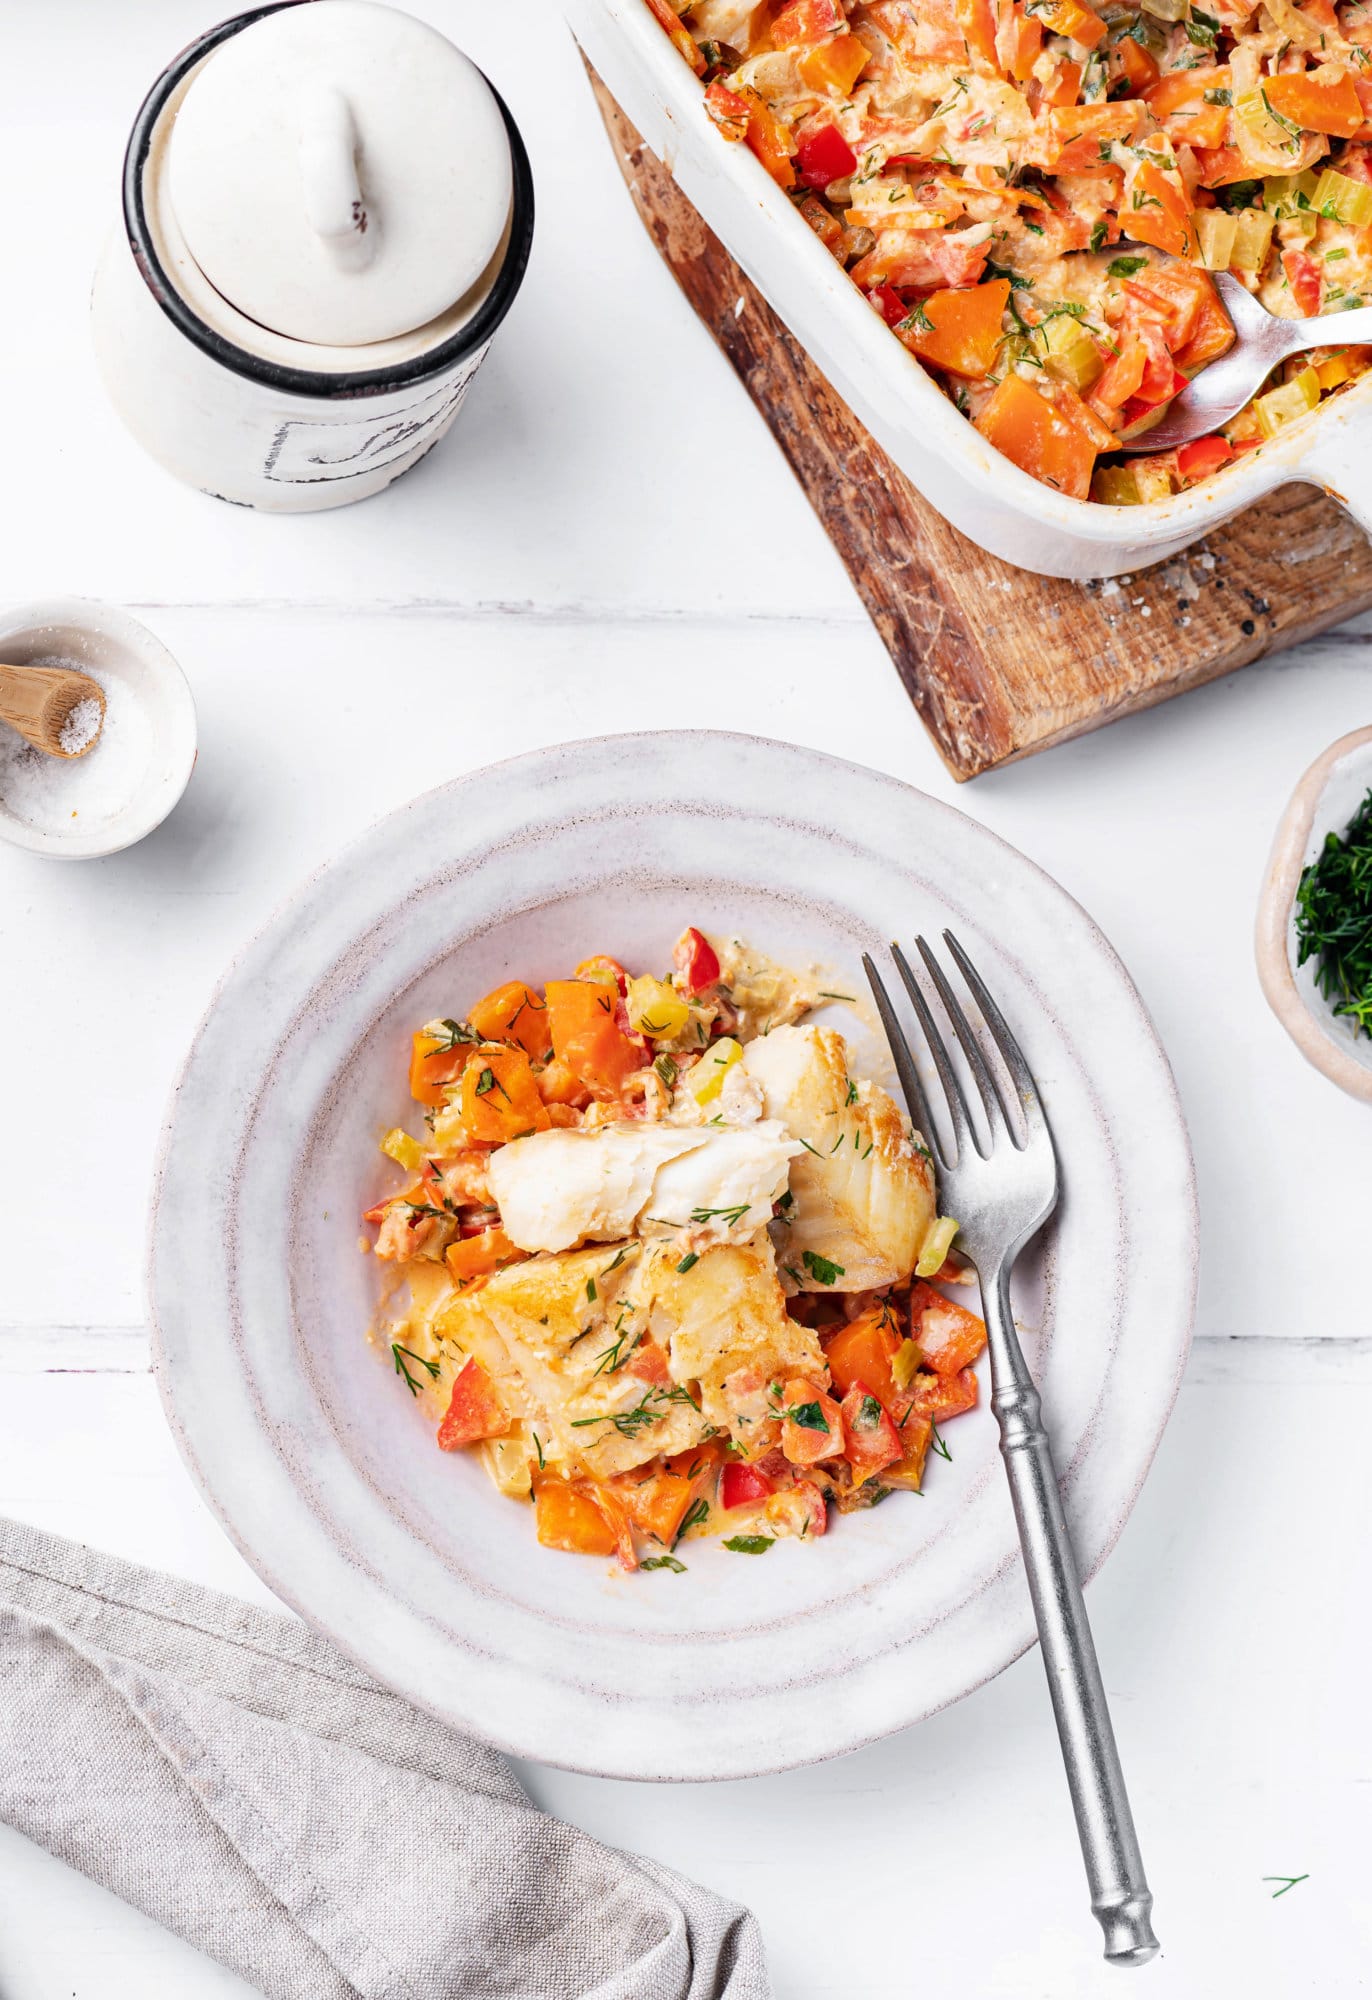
(667, 1263)
(1033, 192)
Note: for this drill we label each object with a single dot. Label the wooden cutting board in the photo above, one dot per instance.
(998, 662)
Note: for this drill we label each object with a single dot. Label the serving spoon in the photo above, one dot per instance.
(1261, 340)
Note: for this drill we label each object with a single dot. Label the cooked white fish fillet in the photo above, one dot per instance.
(561, 1336)
(606, 1356)
(863, 1191)
(561, 1188)
(724, 1318)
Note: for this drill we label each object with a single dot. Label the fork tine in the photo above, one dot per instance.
(1013, 1056)
(904, 1061)
(957, 1104)
(996, 1115)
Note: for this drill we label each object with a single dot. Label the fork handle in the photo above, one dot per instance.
(1120, 1896)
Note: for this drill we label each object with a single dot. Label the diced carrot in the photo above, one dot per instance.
(1122, 374)
(804, 23)
(835, 66)
(677, 35)
(587, 1037)
(1065, 86)
(1077, 23)
(870, 1439)
(656, 1502)
(477, 1256)
(1322, 100)
(770, 140)
(1184, 89)
(500, 1099)
(1035, 435)
(1211, 336)
(1137, 67)
(1159, 212)
(963, 330)
(567, 1517)
(1019, 41)
(812, 1428)
(948, 1336)
(944, 1396)
(976, 19)
(474, 1411)
(514, 1013)
(1081, 130)
(862, 1351)
(907, 1473)
(435, 1061)
(1222, 167)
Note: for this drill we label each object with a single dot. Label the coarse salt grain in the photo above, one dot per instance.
(81, 727)
(48, 793)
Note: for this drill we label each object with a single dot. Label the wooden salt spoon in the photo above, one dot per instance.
(38, 702)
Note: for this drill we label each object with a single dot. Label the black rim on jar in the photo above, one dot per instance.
(418, 368)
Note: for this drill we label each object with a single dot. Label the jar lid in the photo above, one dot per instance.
(340, 172)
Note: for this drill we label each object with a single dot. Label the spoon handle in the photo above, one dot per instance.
(1336, 329)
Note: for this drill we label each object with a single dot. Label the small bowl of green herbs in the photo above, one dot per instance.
(1314, 939)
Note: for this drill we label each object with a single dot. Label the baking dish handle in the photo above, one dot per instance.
(1342, 464)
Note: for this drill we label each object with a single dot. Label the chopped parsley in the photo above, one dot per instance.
(663, 1562)
(821, 1269)
(750, 1545)
(1334, 919)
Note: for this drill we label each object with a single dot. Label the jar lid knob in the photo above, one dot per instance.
(334, 201)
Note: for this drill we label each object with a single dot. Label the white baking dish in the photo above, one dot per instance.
(983, 494)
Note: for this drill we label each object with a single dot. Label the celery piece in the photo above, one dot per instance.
(1069, 351)
(1116, 486)
(1343, 199)
(937, 1244)
(1252, 240)
(1217, 232)
(1282, 406)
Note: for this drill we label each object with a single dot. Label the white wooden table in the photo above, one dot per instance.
(574, 556)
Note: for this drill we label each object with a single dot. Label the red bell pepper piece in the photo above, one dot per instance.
(825, 156)
(742, 1486)
(1136, 409)
(889, 304)
(695, 959)
(1203, 456)
(475, 1411)
(870, 1439)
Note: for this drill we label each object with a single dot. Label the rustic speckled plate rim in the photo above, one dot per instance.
(1104, 1534)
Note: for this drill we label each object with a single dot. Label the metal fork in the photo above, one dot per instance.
(1001, 1198)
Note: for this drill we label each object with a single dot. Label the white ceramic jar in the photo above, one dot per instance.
(327, 214)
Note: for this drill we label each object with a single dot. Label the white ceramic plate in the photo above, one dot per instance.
(313, 1454)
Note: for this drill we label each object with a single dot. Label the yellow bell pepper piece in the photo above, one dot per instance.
(706, 1080)
(656, 1009)
(405, 1151)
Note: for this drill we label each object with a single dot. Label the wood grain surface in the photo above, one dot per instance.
(1001, 663)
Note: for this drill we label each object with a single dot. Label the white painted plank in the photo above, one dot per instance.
(943, 1861)
(313, 724)
(606, 456)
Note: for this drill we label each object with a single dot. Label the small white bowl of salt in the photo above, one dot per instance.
(104, 795)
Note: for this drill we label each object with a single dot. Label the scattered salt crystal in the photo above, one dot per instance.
(47, 793)
(81, 727)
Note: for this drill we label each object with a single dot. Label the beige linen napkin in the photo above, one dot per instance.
(230, 1773)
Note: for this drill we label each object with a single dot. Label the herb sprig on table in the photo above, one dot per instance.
(1334, 919)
